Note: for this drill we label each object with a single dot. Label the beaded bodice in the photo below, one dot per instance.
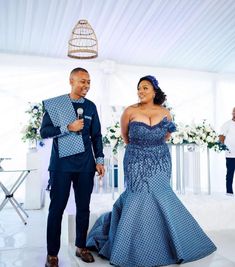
(143, 134)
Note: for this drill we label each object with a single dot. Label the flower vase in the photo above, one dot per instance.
(191, 147)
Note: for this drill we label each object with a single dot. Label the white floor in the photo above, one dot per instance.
(22, 245)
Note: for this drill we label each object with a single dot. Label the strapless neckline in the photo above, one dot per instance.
(150, 126)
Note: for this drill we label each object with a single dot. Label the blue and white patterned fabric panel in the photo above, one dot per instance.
(148, 226)
(61, 112)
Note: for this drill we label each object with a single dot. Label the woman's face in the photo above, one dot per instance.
(146, 92)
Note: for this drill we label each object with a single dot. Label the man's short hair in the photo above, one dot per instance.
(77, 70)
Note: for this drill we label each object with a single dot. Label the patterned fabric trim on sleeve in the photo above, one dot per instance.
(100, 160)
(64, 129)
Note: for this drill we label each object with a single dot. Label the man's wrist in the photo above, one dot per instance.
(100, 160)
(64, 129)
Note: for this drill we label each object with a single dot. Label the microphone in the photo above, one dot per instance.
(80, 113)
(80, 116)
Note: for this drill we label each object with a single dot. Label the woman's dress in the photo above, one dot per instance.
(148, 226)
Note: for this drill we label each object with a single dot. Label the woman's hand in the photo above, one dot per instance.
(168, 135)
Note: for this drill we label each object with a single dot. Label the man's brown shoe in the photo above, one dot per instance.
(84, 254)
(52, 261)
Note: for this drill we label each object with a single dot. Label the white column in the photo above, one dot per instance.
(194, 168)
(197, 171)
(112, 174)
(208, 172)
(121, 151)
(33, 183)
(36, 181)
(178, 168)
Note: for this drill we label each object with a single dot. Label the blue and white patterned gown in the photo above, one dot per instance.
(148, 225)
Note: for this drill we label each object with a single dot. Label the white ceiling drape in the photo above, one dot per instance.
(188, 34)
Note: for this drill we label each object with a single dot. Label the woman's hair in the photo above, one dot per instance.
(160, 96)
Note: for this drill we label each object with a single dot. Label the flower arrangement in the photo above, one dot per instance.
(201, 134)
(31, 130)
(113, 137)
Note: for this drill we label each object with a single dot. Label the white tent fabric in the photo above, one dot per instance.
(188, 34)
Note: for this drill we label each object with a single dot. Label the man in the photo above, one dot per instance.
(227, 137)
(73, 123)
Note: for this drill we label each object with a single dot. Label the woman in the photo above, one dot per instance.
(148, 225)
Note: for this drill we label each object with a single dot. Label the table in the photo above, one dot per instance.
(9, 193)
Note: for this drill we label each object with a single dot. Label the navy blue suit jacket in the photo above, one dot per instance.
(92, 138)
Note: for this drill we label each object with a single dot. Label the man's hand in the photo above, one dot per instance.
(100, 169)
(76, 126)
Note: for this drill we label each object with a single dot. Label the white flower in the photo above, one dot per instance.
(203, 136)
(209, 139)
(117, 133)
(208, 128)
(113, 137)
(190, 139)
(113, 142)
(185, 135)
(31, 130)
(176, 141)
(200, 132)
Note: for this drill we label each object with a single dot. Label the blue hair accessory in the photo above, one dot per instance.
(151, 79)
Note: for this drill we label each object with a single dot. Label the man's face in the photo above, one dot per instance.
(80, 84)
